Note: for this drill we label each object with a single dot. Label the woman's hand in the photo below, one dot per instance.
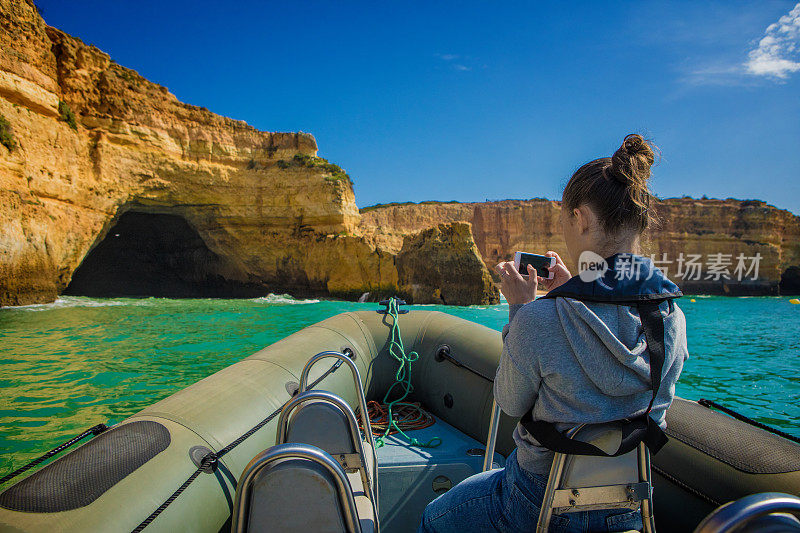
(560, 273)
(515, 288)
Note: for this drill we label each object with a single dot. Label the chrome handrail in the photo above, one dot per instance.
(491, 439)
(291, 451)
(358, 445)
(362, 401)
(734, 515)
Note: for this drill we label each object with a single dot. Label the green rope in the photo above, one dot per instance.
(402, 379)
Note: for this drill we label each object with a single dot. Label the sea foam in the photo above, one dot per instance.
(282, 299)
(72, 301)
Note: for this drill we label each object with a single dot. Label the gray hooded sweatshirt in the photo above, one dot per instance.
(578, 362)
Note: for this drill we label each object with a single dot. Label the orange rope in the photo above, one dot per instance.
(408, 416)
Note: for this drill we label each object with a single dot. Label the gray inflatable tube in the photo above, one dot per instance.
(117, 479)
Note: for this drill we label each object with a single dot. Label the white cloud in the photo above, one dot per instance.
(778, 52)
(716, 74)
(462, 65)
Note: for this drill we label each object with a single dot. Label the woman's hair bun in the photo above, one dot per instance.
(630, 164)
(616, 187)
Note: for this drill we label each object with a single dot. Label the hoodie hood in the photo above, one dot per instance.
(608, 344)
(614, 329)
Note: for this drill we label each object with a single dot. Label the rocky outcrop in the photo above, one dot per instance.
(685, 241)
(93, 141)
(444, 262)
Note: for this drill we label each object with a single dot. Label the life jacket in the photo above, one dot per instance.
(630, 280)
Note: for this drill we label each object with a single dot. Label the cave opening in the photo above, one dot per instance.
(155, 254)
(790, 281)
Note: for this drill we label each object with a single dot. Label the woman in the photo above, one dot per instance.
(579, 355)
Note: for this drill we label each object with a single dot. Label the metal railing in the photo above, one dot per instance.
(362, 407)
(491, 439)
(291, 451)
(732, 516)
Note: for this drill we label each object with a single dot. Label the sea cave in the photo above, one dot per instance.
(159, 255)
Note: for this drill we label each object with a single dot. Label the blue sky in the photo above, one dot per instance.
(485, 100)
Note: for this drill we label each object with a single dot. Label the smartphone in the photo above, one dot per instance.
(541, 263)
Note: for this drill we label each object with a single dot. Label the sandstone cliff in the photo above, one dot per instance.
(92, 140)
(699, 228)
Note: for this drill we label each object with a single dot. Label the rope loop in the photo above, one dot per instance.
(209, 462)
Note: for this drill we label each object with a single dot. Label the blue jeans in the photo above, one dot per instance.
(509, 500)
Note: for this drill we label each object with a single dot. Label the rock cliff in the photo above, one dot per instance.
(111, 186)
(685, 241)
(87, 142)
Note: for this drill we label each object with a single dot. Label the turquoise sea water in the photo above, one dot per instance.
(75, 363)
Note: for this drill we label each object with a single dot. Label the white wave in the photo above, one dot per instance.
(71, 301)
(282, 299)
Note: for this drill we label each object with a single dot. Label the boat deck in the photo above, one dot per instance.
(410, 477)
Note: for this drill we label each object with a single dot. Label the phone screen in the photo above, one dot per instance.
(540, 262)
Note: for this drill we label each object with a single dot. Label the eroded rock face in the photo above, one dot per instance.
(157, 255)
(442, 265)
(732, 228)
(694, 228)
(256, 199)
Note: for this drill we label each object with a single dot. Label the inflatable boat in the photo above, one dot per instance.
(175, 466)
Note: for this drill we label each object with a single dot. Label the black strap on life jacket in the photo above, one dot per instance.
(634, 430)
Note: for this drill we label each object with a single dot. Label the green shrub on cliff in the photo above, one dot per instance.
(66, 114)
(304, 160)
(402, 204)
(6, 134)
(336, 172)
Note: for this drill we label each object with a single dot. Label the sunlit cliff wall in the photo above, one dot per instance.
(276, 218)
(685, 226)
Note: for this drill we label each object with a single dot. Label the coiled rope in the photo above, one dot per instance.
(394, 415)
(408, 417)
